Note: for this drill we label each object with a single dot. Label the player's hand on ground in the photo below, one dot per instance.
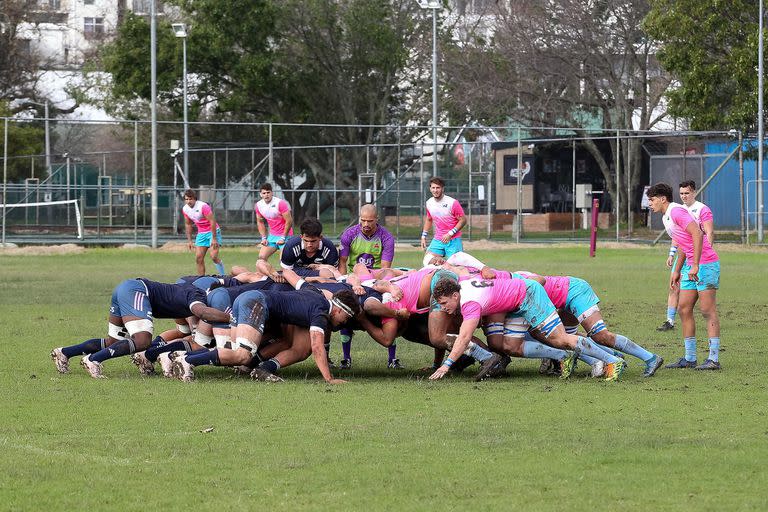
(337, 381)
(439, 373)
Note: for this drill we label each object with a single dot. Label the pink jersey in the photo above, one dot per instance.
(197, 214)
(411, 286)
(485, 297)
(676, 219)
(445, 215)
(555, 286)
(273, 212)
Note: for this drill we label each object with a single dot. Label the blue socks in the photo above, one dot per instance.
(690, 348)
(272, 366)
(671, 312)
(121, 348)
(476, 351)
(537, 350)
(220, 268)
(87, 347)
(152, 353)
(714, 349)
(202, 357)
(629, 347)
(591, 348)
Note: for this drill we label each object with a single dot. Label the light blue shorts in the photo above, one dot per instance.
(130, 299)
(204, 239)
(709, 277)
(537, 310)
(272, 241)
(581, 301)
(445, 250)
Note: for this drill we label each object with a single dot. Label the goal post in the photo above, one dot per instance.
(6, 208)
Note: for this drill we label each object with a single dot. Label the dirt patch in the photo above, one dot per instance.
(42, 250)
(174, 247)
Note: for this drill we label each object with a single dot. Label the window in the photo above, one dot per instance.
(88, 2)
(93, 27)
(141, 6)
(54, 5)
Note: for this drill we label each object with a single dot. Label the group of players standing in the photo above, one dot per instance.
(264, 320)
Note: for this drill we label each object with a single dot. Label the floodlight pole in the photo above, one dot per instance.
(434, 5)
(760, 130)
(186, 121)
(153, 103)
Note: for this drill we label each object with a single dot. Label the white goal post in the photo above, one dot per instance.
(78, 218)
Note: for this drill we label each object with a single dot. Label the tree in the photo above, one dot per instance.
(710, 47)
(349, 62)
(563, 63)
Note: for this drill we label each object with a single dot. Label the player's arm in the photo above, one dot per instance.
(317, 341)
(466, 331)
(384, 335)
(425, 231)
(387, 249)
(672, 253)
(698, 238)
(674, 277)
(467, 260)
(267, 269)
(261, 226)
(288, 217)
(343, 264)
(388, 287)
(210, 217)
(208, 314)
(353, 280)
(709, 230)
(188, 226)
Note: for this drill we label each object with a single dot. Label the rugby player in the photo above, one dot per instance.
(701, 214)
(278, 216)
(696, 273)
(201, 215)
(448, 217)
(370, 244)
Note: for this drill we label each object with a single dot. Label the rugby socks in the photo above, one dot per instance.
(671, 312)
(537, 350)
(590, 348)
(154, 352)
(202, 357)
(272, 365)
(220, 267)
(476, 351)
(630, 347)
(121, 348)
(90, 346)
(157, 342)
(690, 349)
(588, 359)
(392, 352)
(346, 346)
(714, 349)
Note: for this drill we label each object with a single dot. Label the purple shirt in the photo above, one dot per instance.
(370, 251)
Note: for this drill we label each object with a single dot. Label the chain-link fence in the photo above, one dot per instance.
(513, 183)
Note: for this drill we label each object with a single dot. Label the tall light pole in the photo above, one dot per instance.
(153, 108)
(180, 31)
(760, 130)
(434, 5)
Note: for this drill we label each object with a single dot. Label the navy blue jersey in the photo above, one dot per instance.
(224, 280)
(335, 287)
(264, 284)
(306, 307)
(294, 254)
(172, 300)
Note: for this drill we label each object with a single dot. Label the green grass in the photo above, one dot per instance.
(682, 440)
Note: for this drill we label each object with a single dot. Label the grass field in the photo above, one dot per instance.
(682, 440)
